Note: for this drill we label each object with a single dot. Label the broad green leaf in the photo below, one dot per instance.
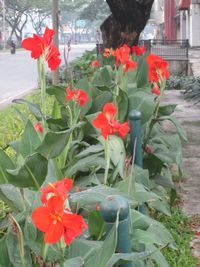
(166, 110)
(122, 101)
(12, 197)
(12, 244)
(158, 257)
(84, 164)
(34, 108)
(178, 126)
(130, 257)
(105, 253)
(32, 174)
(53, 144)
(30, 231)
(90, 150)
(56, 110)
(75, 262)
(30, 140)
(144, 102)
(117, 152)
(96, 224)
(4, 259)
(142, 72)
(99, 101)
(90, 197)
(5, 163)
(104, 77)
(59, 92)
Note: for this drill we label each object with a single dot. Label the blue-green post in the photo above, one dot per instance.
(109, 209)
(136, 136)
(136, 142)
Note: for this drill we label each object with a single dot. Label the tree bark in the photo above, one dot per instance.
(126, 22)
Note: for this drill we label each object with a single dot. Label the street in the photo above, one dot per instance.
(18, 72)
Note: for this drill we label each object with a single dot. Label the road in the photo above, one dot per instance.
(18, 73)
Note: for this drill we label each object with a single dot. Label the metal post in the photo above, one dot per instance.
(109, 209)
(136, 136)
(136, 143)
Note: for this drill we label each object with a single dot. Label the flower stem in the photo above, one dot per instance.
(41, 73)
(107, 159)
(44, 251)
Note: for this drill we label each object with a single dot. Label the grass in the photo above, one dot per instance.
(179, 226)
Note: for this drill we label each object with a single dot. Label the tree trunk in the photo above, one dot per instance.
(126, 22)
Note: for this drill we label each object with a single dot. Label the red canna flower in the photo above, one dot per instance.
(157, 68)
(130, 65)
(38, 127)
(58, 188)
(156, 90)
(56, 221)
(122, 54)
(108, 52)
(105, 121)
(78, 95)
(197, 233)
(138, 50)
(43, 46)
(95, 64)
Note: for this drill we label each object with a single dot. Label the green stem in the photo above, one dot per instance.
(44, 251)
(107, 159)
(41, 72)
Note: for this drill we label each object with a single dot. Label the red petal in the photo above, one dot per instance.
(100, 121)
(54, 232)
(48, 36)
(110, 111)
(41, 218)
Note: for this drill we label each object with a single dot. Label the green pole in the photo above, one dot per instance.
(136, 136)
(136, 142)
(109, 209)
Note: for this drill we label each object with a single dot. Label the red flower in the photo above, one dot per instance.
(106, 123)
(197, 233)
(59, 188)
(38, 127)
(43, 46)
(95, 64)
(130, 65)
(156, 90)
(157, 68)
(55, 221)
(108, 52)
(138, 50)
(78, 95)
(122, 54)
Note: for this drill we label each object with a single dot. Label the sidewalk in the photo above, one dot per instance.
(194, 61)
(189, 189)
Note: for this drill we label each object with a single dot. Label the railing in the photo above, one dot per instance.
(167, 49)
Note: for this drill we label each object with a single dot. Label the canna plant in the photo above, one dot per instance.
(56, 221)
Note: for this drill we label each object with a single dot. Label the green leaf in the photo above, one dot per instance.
(129, 257)
(104, 77)
(59, 92)
(30, 140)
(178, 126)
(144, 102)
(53, 144)
(34, 108)
(4, 259)
(122, 101)
(31, 174)
(12, 197)
(5, 163)
(75, 262)
(166, 110)
(105, 253)
(142, 73)
(96, 224)
(90, 197)
(117, 152)
(12, 244)
(99, 101)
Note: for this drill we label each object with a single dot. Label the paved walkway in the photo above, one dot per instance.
(189, 116)
(194, 60)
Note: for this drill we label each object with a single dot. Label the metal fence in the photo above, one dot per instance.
(167, 49)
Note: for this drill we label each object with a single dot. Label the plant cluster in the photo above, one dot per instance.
(74, 157)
